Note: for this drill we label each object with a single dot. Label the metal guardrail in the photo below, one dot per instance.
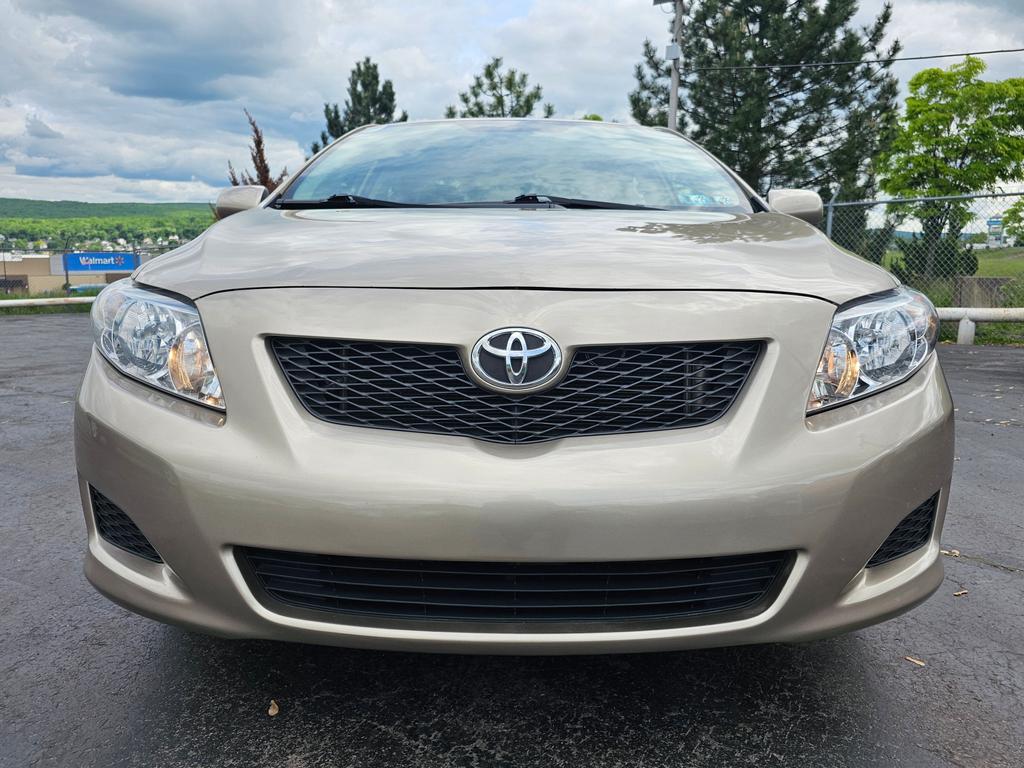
(46, 302)
(966, 317)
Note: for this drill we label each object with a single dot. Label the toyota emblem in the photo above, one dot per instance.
(513, 359)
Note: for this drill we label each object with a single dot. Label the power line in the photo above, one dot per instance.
(852, 61)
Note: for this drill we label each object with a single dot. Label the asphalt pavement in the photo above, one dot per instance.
(86, 683)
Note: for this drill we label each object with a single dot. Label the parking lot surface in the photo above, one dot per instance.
(85, 683)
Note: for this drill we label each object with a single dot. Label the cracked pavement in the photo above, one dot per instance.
(86, 683)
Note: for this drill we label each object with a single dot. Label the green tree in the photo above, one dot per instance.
(499, 94)
(649, 102)
(107, 226)
(1013, 222)
(593, 116)
(806, 126)
(959, 134)
(261, 167)
(369, 101)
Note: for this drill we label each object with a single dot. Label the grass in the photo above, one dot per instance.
(1006, 262)
(1002, 262)
(52, 310)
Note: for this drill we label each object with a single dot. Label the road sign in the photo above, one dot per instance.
(100, 261)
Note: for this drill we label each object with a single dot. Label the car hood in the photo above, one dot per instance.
(516, 248)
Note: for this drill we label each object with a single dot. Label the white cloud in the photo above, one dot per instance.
(102, 189)
(581, 52)
(927, 27)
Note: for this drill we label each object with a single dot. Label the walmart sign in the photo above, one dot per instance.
(100, 261)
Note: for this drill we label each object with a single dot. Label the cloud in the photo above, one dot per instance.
(145, 97)
(166, 50)
(36, 128)
(927, 27)
(100, 189)
(582, 53)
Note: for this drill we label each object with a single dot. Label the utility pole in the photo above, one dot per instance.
(673, 53)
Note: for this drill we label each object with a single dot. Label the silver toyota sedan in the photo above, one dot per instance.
(514, 386)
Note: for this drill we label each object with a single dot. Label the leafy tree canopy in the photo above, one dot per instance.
(369, 101)
(804, 126)
(499, 94)
(89, 229)
(959, 134)
(1013, 221)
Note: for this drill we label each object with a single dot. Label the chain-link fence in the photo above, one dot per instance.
(963, 251)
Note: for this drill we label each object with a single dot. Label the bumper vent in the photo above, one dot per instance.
(912, 533)
(500, 592)
(425, 388)
(115, 527)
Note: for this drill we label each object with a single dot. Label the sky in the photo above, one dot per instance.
(141, 100)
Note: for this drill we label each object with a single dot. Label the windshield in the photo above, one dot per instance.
(480, 161)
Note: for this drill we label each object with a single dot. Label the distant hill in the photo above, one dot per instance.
(17, 208)
(41, 223)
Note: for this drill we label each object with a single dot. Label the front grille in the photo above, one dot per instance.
(115, 527)
(513, 592)
(425, 388)
(912, 533)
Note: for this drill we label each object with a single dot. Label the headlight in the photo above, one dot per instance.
(156, 339)
(872, 345)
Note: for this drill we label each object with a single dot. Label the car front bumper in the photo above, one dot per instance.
(829, 488)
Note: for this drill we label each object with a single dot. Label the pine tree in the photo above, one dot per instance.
(261, 174)
(649, 102)
(499, 94)
(369, 101)
(818, 127)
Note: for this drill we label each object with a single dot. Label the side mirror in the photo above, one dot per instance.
(238, 199)
(801, 203)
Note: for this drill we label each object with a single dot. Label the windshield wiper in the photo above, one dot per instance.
(345, 201)
(358, 201)
(575, 202)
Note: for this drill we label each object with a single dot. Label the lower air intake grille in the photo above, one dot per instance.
(115, 527)
(912, 533)
(514, 592)
(425, 388)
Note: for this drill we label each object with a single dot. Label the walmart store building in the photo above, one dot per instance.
(39, 272)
